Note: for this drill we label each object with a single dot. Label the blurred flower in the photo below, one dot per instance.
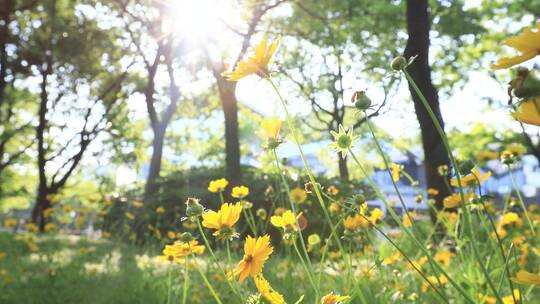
(2, 255)
(454, 200)
(49, 227)
(256, 64)
(375, 215)
(332, 190)
(396, 172)
(472, 179)
(217, 185)
(432, 192)
(10, 222)
(160, 210)
(527, 278)
(298, 195)
(267, 291)
(130, 216)
(240, 192)
(443, 170)
(137, 204)
(528, 111)
(223, 220)
(511, 218)
(287, 220)
(343, 140)
(392, 259)
(510, 298)
(444, 257)
(486, 155)
(47, 213)
(440, 281)
(269, 132)
(256, 252)
(33, 247)
(279, 211)
(179, 250)
(67, 208)
(332, 298)
(334, 208)
(516, 149)
(527, 43)
(31, 227)
(171, 235)
(407, 221)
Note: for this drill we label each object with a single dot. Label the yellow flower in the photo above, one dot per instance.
(33, 247)
(256, 64)
(50, 227)
(10, 223)
(256, 252)
(270, 128)
(130, 215)
(510, 299)
(441, 281)
(396, 172)
(334, 208)
(240, 192)
(286, 221)
(454, 200)
(375, 215)
(218, 185)
(472, 179)
(392, 259)
(332, 298)
(444, 257)
(160, 210)
(32, 227)
(298, 195)
(432, 192)
(179, 250)
(223, 220)
(527, 278)
(528, 112)
(171, 235)
(267, 291)
(67, 208)
(407, 220)
(527, 43)
(511, 218)
(517, 149)
(332, 190)
(486, 155)
(137, 204)
(47, 213)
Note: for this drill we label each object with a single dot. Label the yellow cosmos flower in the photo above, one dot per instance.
(511, 218)
(256, 252)
(472, 179)
(287, 220)
(332, 190)
(179, 250)
(270, 128)
(510, 299)
(528, 112)
(407, 220)
(31, 227)
(454, 200)
(50, 227)
(375, 215)
(47, 213)
(218, 185)
(223, 220)
(432, 192)
(527, 278)
(441, 281)
(527, 43)
(10, 223)
(486, 155)
(137, 204)
(160, 210)
(256, 64)
(444, 257)
(240, 192)
(298, 195)
(268, 293)
(332, 298)
(396, 172)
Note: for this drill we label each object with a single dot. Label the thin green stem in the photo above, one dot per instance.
(308, 271)
(520, 200)
(207, 283)
(169, 285)
(186, 281)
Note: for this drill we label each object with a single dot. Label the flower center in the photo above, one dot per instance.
(248, 258)
(344, 141)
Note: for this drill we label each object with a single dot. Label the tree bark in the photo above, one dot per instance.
(343, 169)
(229, 103)
(155, 162)
(435, 154)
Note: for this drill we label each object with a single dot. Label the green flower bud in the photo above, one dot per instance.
(261, 213)
(186, 237)
(466, 167)
(398, 63)
(193, 207)
(360, 100)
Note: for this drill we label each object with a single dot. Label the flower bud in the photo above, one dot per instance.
(398, 63)
(360, 100)
(261, 213)
(193, 207)
(185, 237)
(466, 167)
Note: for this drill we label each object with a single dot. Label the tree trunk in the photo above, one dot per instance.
(343, 169)
(155, 163)
(418, 26)
(42, 203)
(227, 95)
